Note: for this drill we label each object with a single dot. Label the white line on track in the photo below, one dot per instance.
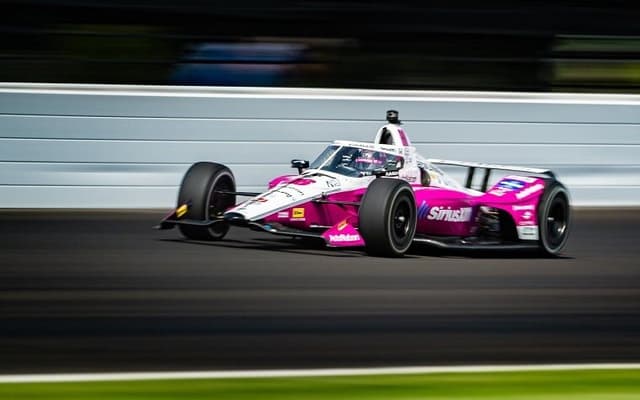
(293, 373)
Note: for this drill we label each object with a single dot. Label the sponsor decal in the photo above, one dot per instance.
(408, 177)
(343, 234)
(527, 215)
(344, 237)
(423, 210)
(528, 232)
(368, 160)
(529, 191)
(407, 155)
(511, 184)
(283, 214)
(288, 191)
(333, 183)
(527, 207)
(258, 200)
(292, 189)
(356, 144)
(448, 214)
(283, 191)
(297, 213)
(182, 210)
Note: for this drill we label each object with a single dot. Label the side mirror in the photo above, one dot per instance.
(300, 164)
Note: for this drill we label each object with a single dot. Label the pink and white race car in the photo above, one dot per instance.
(382, 196)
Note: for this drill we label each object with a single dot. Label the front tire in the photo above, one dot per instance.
(387, 217)
(554, 218)
(199, 189)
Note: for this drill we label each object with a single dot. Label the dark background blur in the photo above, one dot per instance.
(489, 45)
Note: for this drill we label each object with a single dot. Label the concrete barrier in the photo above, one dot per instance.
(110, 146)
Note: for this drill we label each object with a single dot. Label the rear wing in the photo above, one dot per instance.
(472, 166)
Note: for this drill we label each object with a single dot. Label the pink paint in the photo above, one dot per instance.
(518, 196)
(280, 179)
(320, 214)
(294, 179)
(403, 137)
(523, 214)
(343, 234)
(302, 181)
(440, 211)
(444, 212)
(515, 190)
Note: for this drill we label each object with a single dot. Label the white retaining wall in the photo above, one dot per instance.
(103, 146)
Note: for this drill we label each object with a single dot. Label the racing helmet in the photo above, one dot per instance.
(368, 160)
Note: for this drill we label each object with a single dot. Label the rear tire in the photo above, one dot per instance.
(554, 218)
(198, 188)
(387, 217)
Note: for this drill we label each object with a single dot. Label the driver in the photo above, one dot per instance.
(368, 160)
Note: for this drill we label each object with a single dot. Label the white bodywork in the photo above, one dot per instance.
(290, 194)
(317, 183)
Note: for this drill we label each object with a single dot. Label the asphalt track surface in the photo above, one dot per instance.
(101, 291)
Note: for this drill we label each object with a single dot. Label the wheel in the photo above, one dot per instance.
(387, 217)
(554, 218)
(198, 188)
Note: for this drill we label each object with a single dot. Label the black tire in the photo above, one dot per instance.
(198, 189)
(554, 218)
(387, 217)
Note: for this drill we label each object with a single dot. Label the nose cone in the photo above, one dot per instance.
(282, 196)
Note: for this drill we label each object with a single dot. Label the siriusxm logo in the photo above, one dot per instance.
(444, 213)
(423, 210)
(511, 184)
(448, 214)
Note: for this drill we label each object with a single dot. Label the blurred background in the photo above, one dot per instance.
(542, 46)
(87, 286)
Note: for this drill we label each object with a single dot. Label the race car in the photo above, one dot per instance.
(382, 196)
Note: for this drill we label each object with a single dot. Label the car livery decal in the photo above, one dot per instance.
(343, 234)
(182, 210)
(448, 214)
(423, 210)
(529, 191)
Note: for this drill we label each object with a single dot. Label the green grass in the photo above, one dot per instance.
(564, 385)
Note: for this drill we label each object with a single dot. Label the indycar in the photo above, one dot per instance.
(382, 196)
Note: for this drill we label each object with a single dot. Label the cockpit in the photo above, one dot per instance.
(354, 161)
